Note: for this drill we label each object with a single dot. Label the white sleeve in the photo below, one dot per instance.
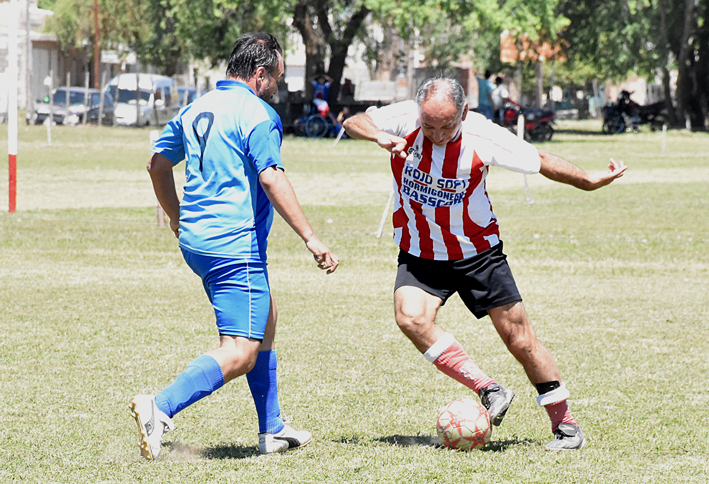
(398, 119)
(496, 146)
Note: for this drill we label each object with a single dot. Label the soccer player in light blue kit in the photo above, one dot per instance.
(230, 139)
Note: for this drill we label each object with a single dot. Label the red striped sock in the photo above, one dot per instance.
(559, 413)
(456, 363)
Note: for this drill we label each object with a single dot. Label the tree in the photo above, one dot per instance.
(323, 24)
(646, 37)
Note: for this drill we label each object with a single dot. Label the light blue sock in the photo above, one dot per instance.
(201, 377)
(263, 383)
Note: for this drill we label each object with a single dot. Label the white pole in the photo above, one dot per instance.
(339, 137)
(137, 100)
(385, 213)
(101, 98)
(86, 97)
(159, 212)
(664, 136)
(520, 134)
(12, 107)
(29, 94)
(49, 82)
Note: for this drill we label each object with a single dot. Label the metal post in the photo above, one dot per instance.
(97, 54)
(137, 99)
(49, 82)
(29, 101)
(664, 137)
(12, 108)
(520, 135)
(87, 76)
(68, 87)
(101, 98)
(161, 216)
(385, 213)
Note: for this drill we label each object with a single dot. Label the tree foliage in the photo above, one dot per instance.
(645, 37)
(601, 38)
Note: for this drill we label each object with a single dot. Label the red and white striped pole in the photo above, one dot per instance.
(12, 105)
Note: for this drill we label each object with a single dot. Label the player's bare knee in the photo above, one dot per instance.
(522, 344)
(409, 322)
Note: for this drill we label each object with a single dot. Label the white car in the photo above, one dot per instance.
(152, 102)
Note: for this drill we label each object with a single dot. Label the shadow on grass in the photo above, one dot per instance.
(581, 132)
(424, 441)
(410, 440)
(503, 445)
(230, 451)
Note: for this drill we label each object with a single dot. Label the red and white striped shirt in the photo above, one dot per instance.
(443, 211)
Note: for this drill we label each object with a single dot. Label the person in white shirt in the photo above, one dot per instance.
(449, 238)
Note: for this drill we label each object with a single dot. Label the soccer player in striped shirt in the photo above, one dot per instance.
(230, 139)
(449, 238)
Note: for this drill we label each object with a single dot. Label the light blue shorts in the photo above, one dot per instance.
(238, 290)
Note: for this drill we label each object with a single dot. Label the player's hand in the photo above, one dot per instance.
(326, 260)
(615, 171)
(392, 144)
(175, 227)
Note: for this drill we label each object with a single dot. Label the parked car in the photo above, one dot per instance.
(157, 94)
(185, 95)
(73, 113)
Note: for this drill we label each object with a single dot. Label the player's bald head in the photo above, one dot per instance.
(442, 89)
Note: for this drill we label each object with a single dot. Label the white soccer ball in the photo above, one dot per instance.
(464, 424)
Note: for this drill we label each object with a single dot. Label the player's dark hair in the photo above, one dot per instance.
(251, 51)
(449, 86)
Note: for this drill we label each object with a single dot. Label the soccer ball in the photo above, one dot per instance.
(464, 424)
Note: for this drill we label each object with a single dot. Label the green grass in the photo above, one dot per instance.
(96, 305)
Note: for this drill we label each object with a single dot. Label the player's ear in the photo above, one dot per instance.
(465, 112)
(260, 72)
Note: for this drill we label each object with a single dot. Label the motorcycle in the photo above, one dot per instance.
(625, 115)
(538, 123)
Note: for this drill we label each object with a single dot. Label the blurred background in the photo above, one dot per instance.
(571, 57)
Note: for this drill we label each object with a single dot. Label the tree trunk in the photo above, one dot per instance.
(669, 106)
(338, 45)
(702, 65)
(684, 82)
(315, 49)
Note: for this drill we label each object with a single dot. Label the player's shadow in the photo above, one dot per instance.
(219, 452)
(424, 441)
(410, 441)
(503, 445)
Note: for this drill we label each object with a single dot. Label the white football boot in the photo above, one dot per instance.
(567, 437)
(152, 425)
(286, 439)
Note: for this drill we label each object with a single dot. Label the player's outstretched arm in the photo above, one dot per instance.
(281, 194)
(160, 169)
(361, 126)
(558, 169)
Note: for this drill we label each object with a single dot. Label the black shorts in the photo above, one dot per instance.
(483, 281)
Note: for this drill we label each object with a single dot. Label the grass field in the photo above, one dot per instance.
(97, 305)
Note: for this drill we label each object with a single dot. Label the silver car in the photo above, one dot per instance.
(73, 112)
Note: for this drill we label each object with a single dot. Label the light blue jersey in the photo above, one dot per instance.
(228, 136)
